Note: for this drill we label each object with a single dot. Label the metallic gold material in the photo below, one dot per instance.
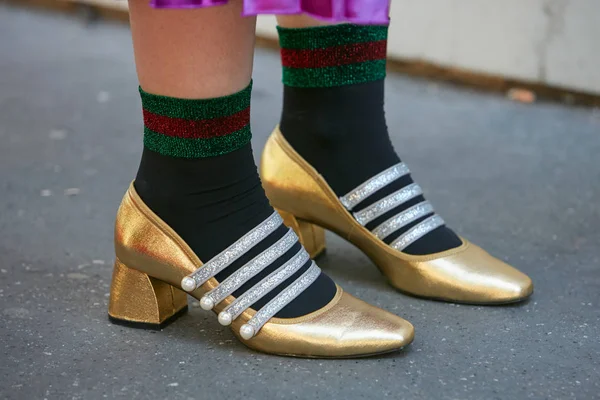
(345, 327)
(311, 236)
(152, 260)
(137, 298)
(466, 274)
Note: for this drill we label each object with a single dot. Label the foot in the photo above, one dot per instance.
(197, 218)
(198, 175)
(154, 263)
(335, 166)
(465, 274)
(333, 116)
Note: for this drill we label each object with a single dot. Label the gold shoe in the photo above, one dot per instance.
(154, 264)
(466, 274)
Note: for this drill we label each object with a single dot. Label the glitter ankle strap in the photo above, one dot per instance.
(417, 232)
(250, 270)
(388, 203)
(402, 219)
(255, 266)
(364, 190)
(250, 329)
(240, 304)
(232, 253)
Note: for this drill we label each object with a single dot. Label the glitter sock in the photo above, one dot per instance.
(334, 55)
(198, 174)
(333, 115)
(196, 128)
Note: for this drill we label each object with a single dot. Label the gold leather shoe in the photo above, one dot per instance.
(466, 274)
(153, 265)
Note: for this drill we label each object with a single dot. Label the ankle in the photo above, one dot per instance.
(199, 196)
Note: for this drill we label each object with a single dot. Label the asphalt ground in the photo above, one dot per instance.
(520, 180)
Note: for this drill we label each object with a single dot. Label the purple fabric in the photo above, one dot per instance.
(356, 11)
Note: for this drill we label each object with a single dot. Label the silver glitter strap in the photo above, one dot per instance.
(417, 232)
(259, 290)
(401, 220)
(281, 300)
(232, 253)
(369, 187)
(253, 267)
(387, 203)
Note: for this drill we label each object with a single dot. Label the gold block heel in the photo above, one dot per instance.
(311, 236)
(140, 301)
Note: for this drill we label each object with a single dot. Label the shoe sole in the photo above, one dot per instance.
(367, 355)
(159, 327)
(146, 325)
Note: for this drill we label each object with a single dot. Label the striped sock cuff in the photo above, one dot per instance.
(335, 55)
(196, 128)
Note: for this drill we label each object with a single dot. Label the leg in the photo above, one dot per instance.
(197, 217)
(206, 182)
(333, 113)
(331, 163)
(192, 54)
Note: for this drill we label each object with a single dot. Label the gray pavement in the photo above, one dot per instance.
(520, 180)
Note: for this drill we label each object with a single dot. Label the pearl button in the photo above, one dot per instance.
(188, 284)
(206, 303)
(225, 318)
(247, 331)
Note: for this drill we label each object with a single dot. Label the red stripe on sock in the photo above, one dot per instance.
(333, 56)
(201, 129)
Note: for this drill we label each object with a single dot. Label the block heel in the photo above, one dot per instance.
(311, 236)
(140, 301)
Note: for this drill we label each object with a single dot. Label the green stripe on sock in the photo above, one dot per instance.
(196, 109)
(328, 36)
(340, 75)
(196, 148)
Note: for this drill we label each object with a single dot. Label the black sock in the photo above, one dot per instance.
(209, 192)
(337, 123)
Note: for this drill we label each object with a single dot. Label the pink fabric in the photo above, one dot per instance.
(356, 11)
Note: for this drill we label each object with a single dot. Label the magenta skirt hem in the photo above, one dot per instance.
(367, 12)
